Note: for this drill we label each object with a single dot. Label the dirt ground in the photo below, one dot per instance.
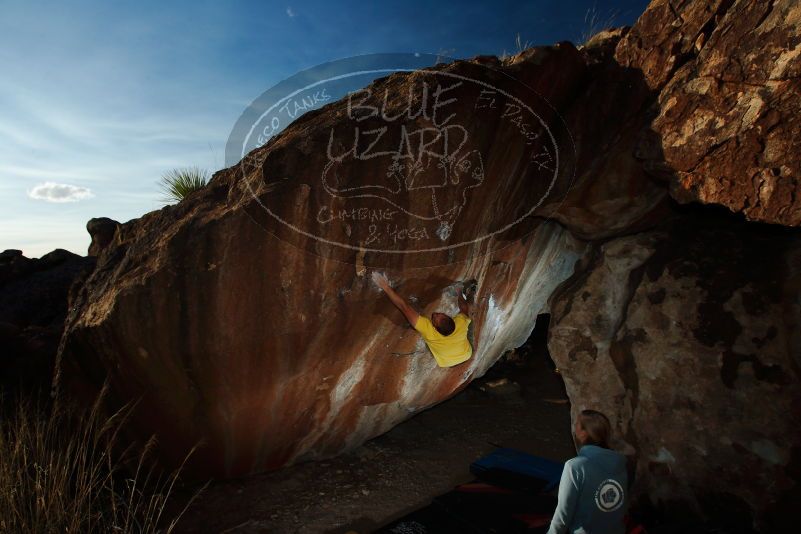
(403, 469)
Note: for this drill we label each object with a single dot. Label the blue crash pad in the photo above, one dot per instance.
(519, 470)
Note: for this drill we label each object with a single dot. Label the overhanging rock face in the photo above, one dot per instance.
(244, 315)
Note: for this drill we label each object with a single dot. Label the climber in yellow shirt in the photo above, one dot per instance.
(446, 337)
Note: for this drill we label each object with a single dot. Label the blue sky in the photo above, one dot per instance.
(99, 99)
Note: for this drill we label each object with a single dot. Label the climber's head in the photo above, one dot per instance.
(593, 428)
(443, 323)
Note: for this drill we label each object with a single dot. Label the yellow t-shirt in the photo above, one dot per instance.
(447, 350)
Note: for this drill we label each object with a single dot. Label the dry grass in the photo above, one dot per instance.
(595, 22)
(60, 471)
(519, 47)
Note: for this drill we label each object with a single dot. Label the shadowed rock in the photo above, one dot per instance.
(33, 305)
(102, 230)
(688, 337)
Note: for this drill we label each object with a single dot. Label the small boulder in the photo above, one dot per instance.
(102, 230)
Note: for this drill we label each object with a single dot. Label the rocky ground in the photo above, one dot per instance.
(517, 404)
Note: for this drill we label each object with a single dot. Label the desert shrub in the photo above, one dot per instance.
(62, 470)
(178, 183)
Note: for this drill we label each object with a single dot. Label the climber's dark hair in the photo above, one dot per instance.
(597, 427)
(445, 326)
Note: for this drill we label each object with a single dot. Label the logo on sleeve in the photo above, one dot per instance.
(609, 496)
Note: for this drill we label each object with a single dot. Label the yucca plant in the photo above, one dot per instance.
(178, 183)
(61, 470)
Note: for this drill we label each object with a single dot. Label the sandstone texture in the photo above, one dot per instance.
(243, 316)
(688, 337)
(272, 347)
(728, 77)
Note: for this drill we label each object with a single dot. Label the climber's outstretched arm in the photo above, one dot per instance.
(409, 312)
(464, 307)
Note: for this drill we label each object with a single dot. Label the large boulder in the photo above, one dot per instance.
(728, 75)
(102, 230)
(267, 341)
(243, 316)
(689, 338)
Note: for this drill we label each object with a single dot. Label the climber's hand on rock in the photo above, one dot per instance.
(380, 280)
(468, 291)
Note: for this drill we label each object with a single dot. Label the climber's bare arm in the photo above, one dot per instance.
(464, 307)
(409, 312)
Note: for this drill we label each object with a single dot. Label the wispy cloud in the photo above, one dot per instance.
(53, 192)
(290, 12)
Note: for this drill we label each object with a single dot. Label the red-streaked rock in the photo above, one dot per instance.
(271, 346)
(275, 355)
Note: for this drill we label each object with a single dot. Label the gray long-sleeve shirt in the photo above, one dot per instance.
(592, 493)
